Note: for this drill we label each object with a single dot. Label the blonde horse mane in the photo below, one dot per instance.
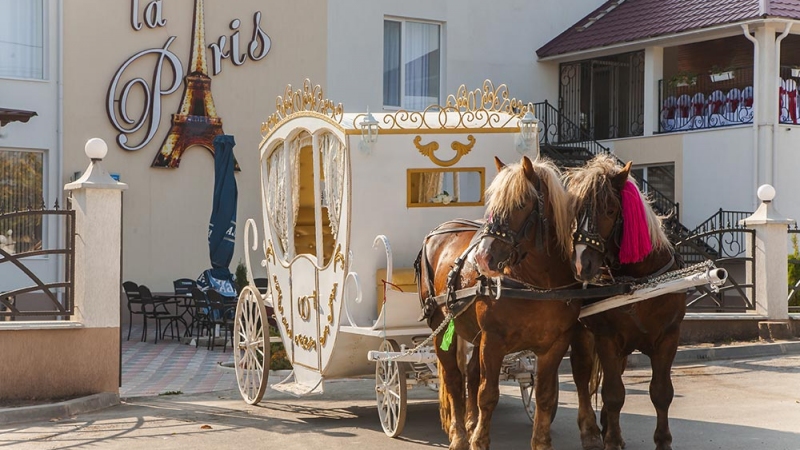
(592, 184)
(511, 190)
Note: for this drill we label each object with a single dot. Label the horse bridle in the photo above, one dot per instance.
(586, 233)
(503, 232)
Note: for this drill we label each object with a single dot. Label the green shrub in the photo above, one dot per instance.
(278, 357)
(240, 276)
(794, 271)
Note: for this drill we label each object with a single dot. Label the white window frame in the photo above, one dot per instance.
(403, 21)
(45, 48)
(645, 176)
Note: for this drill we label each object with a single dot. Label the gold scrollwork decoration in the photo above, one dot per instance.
(310, 98)
(489, 107)
(304, 305)
(327, 330)
(280, 306)
(428, 149)
(269, 254)
(305, 342)
(339, 258)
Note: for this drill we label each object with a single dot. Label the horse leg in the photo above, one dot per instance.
(613, 392)
(473, 383)
(547, 392)
(451, 395)
(661, 390)
(583, 360)
(491, 359)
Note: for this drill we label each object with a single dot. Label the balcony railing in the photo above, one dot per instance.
(694, 102)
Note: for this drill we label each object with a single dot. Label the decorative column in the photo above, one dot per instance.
(97, 201)
(653, 72)
(771, 276)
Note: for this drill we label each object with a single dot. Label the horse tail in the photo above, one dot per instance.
(445, 407)
(461, 356)
(597, 373)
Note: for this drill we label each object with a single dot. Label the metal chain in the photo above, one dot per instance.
(447, 319)
(702, 267)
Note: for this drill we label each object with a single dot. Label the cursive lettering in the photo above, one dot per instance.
(117, 109)
(153, 15)
(257, 49)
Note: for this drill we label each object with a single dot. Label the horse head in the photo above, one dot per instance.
(527, 214)
(615, 223)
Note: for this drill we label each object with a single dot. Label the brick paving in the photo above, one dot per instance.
(152, 369)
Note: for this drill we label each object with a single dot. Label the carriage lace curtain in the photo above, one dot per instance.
(333, 172)
(278, 187)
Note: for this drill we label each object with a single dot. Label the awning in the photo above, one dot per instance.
(8, 115)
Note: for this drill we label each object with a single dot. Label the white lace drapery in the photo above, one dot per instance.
(276, 196)
(332, 152)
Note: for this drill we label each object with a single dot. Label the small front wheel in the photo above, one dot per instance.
(390, 391)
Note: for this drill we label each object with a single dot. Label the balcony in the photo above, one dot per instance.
(691, 101)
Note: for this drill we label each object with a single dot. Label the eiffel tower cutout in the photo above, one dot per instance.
(196, 122)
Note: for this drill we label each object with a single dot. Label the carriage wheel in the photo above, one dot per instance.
(251, 346)
(526, 390)
(390, 391)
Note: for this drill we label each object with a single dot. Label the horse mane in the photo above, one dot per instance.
(591, 184)
(511, 190)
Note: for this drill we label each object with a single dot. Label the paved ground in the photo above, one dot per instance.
(152, 369)
(743, 404)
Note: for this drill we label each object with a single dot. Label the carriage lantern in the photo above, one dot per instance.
(528, 125)
(369, 132)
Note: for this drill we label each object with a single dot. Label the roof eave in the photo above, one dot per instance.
(667, 40)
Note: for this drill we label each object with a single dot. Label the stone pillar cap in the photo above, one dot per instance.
(95, 177)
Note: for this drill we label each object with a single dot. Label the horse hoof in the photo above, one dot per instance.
(592, 443)
(664, 447)
(459, 444)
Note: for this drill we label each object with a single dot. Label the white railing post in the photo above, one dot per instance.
(771, 271)
(97, 201)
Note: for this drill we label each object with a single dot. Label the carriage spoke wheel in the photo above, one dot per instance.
(527, 388)
(390, 391)
(251, 346)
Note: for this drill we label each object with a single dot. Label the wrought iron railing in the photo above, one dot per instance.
(731, 249)
(24, 239)
(722, 219)
(695, 101)
(794, 270)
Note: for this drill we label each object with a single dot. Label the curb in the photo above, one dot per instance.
(695, 355)
(60, 410)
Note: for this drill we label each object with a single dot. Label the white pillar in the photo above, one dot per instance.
(653, 72)
(97, 201)
(766, 100)
(771, 276)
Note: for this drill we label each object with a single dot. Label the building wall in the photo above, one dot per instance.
(481, 40)
(786, 175)
(166, 211)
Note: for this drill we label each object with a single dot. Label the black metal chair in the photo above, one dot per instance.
(159, 311)
(182, 287)
(135, 307)
(202, 315)
(220, 314)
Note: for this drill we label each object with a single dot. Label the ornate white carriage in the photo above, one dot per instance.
(333, 181)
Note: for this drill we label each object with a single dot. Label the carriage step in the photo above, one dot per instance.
(299, 389)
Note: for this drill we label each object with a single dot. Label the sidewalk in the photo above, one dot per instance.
(169, 368)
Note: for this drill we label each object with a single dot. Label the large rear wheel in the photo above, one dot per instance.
(251, 345)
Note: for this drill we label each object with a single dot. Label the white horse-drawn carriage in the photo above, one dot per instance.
(333, 185)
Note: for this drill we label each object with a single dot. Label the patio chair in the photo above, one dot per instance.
(158, 311)
(202, 315)
(182, 287)
(222, 315)
(135, 306)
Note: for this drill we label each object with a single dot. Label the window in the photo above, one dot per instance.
(21, 188)
(22, 39)
(660, 178)
(411, 64)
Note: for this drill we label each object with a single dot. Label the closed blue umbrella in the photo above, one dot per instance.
(222, 227)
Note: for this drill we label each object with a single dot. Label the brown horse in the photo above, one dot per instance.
(619, 235)
(527, 236)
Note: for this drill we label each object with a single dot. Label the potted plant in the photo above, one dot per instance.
(682, 79)
(721, 74)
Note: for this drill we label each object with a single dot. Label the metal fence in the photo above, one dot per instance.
(26, 246)
(732, 248)
(794, 270)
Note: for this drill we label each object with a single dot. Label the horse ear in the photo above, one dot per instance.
(527, 167)
(499, 164)
(619, 179)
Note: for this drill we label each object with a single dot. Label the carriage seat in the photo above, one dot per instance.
(403, 277)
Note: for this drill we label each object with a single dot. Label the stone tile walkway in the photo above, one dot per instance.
(152, 369)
